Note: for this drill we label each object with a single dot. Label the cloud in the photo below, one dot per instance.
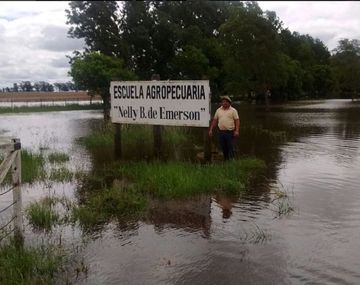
(61, 62)
(12, 10)
(54, 38)
(34, 42)
(329, 21)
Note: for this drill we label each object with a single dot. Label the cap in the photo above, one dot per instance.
(227, 98)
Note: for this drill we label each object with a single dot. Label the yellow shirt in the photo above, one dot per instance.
(226, 118)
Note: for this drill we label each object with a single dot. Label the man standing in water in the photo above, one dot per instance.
(227, 119)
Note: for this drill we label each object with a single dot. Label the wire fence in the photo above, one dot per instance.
(10, 151)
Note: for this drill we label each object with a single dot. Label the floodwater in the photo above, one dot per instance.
(250, 239)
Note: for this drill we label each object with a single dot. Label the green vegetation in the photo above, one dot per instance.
(42, 214)
(241, 49)
(124, 189)
(106, 204)
(94, 71)
(58, 157)
(103, 136)
(23, 266)
(176, 135)
(31, 109)
(61, 174)
(182, 179)
(32, 166)
(48, 212)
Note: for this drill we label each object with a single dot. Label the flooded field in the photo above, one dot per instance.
(297, 225)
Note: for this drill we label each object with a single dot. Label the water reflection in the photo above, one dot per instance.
(189, 215)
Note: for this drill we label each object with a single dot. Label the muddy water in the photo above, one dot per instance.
(313, 156)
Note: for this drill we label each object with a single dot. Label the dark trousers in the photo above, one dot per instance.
(226, 140)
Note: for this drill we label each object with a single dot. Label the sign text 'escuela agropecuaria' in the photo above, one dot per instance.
(176, 103)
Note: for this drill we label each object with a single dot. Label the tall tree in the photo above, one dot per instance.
(253, 55)
(97, 23)
(137, 29)
(313, 57)
(94, 72)
(26, 86)
(346, 63)
(186, 40)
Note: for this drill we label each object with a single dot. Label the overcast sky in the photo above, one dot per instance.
(34, 42)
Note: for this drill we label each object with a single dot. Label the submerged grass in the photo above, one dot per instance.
(69, 107)
(103, 136)
(283, 202)
(42, 215)
(49, 211)
(58, 157)
(114, 203)
(32, 166)
(61, 174)
(23, 266)
(128, 187)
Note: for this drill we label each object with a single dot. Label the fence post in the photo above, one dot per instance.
(16, 180)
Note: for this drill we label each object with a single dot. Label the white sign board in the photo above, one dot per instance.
(172, 103)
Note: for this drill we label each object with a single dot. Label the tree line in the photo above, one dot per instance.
(241, 49)
(40, 86)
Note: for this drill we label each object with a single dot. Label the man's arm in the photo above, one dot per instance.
(212, 126)
(237, 128)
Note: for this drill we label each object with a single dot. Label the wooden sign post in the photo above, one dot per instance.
(157, 130)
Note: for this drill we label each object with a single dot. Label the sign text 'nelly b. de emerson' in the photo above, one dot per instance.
(176, 103)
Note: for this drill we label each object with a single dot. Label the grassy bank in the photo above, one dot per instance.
(44, 108)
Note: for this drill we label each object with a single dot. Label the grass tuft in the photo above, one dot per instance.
(115, 203)
(283, 202)
(42, 215)
(23, 266)
(61, 174)
(58, 157)
(32, 166)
